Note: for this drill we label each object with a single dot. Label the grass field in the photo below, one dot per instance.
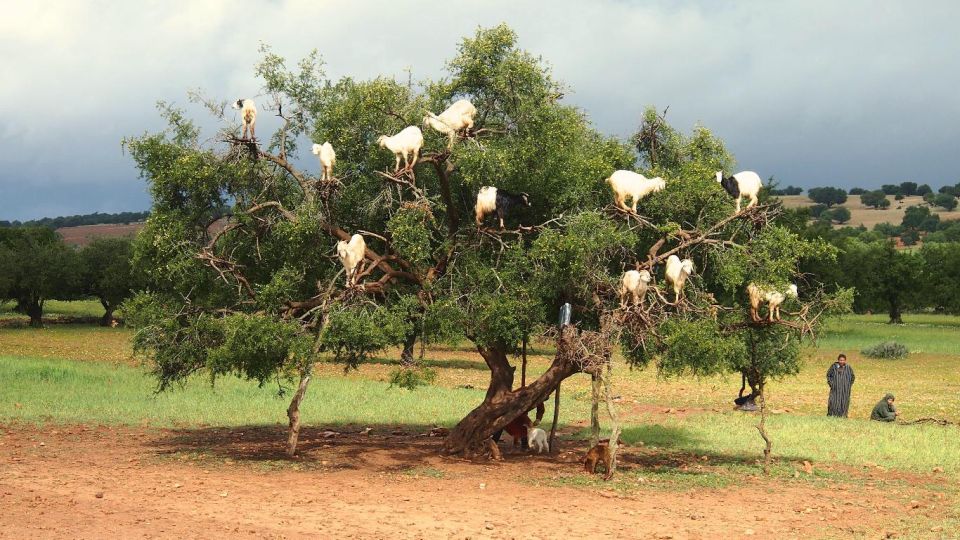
(78, 373)
(868, 217)
(53, 309)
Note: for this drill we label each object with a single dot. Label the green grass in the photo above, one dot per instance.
(921, 333)
(55, 308)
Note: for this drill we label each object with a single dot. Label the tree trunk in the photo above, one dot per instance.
(896, 317)
(502, 404)
(556, 415)
(523, 369)
(614, 421)
(35, 311)
(293, 412)
(594, 409)
(763, 430)
(107, 319)
(406, 357)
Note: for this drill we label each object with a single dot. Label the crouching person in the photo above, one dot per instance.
(884, 411)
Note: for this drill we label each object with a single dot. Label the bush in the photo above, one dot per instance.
(817, 209)
(876, 199)
(899, 196)
(840, 214)
(888, 349)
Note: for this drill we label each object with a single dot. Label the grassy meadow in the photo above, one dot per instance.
(86, 374)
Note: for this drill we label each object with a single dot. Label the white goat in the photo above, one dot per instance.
(328, 158)
(456, 118)
(537, 439)
(351, 255)
(676, 273)
(248, 113)
(634, 283)
(773, 298)
(634, 185)
(743, 183)
(408, 141)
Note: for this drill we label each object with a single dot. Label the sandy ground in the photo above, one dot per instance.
(99, 482)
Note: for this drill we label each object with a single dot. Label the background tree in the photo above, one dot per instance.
(841, 215)
(37, 267)
(827, 195)
(856, 191)
(923, 189)
(908, 188)
(946, 201)
(875, 199)
(106, 273)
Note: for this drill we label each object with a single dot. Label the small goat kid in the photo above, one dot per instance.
(351, 255)
(537, 438)
(408, 142)
(491, 199)
(745, 183)
(456, 118)
(676, 274)
(248, 113)
(773, 298)
(633, 285)
(634, 185)
(328, 158)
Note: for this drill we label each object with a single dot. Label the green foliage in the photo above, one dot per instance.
(890, 189)
(840, 214)
(36, 266)
(410, 229)
(876, 199)
(411, 378)
(908, 188)
(827, 195)
(888, 349)
(95, 218)
(106, 272)
(945, 201)
(920, 218)
(353, 332)
(924, 189)
(856, 191)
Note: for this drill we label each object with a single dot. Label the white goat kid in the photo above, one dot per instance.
(676, 274)
(634, 185)
(537, 439)
(456, 118)
(351, 255)
(773, 298)
(328, 158)
(745, 183)
(633, 285)
(408, 142)
(248, 114)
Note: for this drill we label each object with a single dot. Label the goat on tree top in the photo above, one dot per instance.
(262, 293)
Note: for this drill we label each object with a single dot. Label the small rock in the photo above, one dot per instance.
(366, 431)
(807, 467)
(938, 469)
(324, 462)
(43, 444)
(796, 474)
(914, 504)
(177, 485)
(223, 493)
(488, 526)
(483, 486)
(99, 495)
(329, 434)
(748, 532)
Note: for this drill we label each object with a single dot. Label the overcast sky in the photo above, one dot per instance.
(844, 93)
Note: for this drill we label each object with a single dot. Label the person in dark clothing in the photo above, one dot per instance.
(840, 377)
(884, 411)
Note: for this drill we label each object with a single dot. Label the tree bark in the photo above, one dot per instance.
(35, 312)
(523, 370)
(614, 421)
(768, 444)
(406, 357)
(107, 318)
(556, 415)
(293, 412)
(896, 317)
(594, 409)
(502, 404)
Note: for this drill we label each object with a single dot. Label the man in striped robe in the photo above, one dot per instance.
(840, 377)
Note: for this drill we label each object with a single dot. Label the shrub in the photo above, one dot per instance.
(947, 201)
(888, 349)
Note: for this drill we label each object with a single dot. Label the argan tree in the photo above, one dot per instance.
(240, 252)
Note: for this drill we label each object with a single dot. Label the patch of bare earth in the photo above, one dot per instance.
(100, 482)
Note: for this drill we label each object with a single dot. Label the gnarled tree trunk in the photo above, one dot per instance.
(293, 412)
(107, 319)
(35, 312)
(502, 404)
(406, 356)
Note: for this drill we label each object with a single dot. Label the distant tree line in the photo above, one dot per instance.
(36, 266)
(96, 218)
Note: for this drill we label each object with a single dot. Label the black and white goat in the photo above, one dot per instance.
(744, 183)
(491, 199)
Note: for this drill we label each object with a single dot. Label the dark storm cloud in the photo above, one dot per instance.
(815, 93)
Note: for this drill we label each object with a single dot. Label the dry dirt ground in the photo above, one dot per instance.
(868, 217)
(103, 482)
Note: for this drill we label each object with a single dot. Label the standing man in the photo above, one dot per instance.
(840, 377)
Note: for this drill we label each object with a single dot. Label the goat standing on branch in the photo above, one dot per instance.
(328, 158)
(456, 118)
(490, 199)
(745, 183)
(248, 113)
(408, 142)
(351, 255)
(676, 274)
(634, 185)
(634, 285)
(773, 298)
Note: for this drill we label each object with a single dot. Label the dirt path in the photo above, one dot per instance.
(97, 482)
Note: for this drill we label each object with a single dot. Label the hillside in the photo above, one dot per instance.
(84, 234)
(868, 217)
